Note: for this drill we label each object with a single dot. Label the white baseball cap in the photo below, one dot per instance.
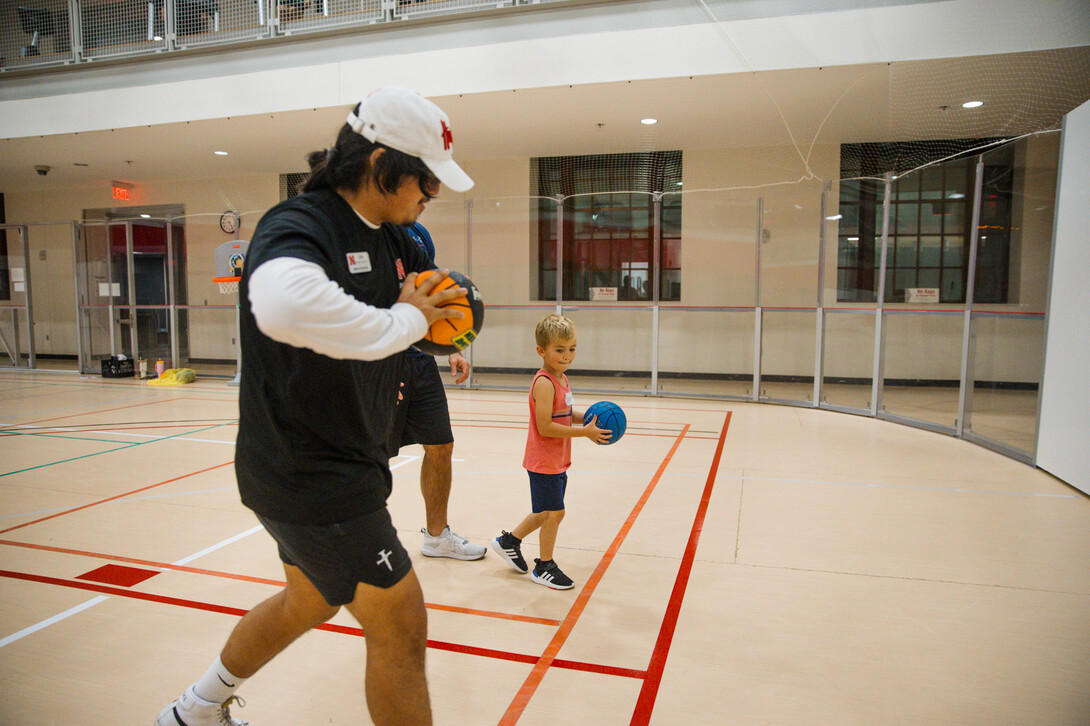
(404, 120)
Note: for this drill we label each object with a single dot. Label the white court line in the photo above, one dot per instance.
(50, 621)
(102, 598)
(121, 433)
(408, 460)
(896, 486)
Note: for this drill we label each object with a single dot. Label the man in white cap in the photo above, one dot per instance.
(328, 306)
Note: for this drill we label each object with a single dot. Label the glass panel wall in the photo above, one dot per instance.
(705, 342)
(790, 232)
(1013, 257)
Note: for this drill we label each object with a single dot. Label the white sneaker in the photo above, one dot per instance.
(449, 544)
(192, 710)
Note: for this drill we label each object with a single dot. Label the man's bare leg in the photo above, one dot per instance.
(395, 625)
(273, 624)
(435, 478)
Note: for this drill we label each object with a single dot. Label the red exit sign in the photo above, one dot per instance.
(121, 190)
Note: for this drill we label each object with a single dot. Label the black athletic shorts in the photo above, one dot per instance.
(421, 416)
(336, 557)
(547, 491)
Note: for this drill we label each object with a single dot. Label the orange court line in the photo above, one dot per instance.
(89, 413)
(533, 680)
(110, 499)
(261, 580)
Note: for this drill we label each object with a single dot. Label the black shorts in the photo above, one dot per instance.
(337, 557)
(421, 416)
(547, 491)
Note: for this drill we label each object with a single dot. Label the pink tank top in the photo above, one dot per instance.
(549, 454)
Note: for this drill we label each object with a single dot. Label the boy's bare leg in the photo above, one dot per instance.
(395, 625)
(549, 528)
(528, 524)
(273, 624)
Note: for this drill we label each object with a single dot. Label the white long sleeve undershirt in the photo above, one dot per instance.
(295, 302)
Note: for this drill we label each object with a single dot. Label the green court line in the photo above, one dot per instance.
(110, 451)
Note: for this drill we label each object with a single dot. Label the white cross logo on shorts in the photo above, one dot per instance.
(384, 559)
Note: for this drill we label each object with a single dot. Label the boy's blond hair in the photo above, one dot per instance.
(554, 327)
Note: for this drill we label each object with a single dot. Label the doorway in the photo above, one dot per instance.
(131, 273)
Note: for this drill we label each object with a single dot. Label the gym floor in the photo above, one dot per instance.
(734, 563)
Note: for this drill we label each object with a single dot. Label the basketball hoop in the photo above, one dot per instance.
(228, 285)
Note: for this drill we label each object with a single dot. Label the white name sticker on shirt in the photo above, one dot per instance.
(568, 400)
(359, 262)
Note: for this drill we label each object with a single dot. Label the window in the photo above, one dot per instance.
(929, 226)
(609, 224)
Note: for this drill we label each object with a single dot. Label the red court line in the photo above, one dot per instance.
(328, 627)
(110, 499)
(548, 658)
(259, 580)
(645, 704)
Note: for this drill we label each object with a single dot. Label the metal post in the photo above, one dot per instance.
(76, 228)
(656, 279)
(469, 272)
(819, 345)
(757, 313)
(965, 391)
(110, 309)
(559, 254)
(878, 372)
(130, 260)
(172, 303)
(24, 234)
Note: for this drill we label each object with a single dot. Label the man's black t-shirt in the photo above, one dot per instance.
(313, 430)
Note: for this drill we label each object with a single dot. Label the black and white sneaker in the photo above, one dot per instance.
(549, 575)
(509, 547)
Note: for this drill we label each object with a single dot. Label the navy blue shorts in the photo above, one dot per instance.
(337, 557)
(421, 416)
(547, 491)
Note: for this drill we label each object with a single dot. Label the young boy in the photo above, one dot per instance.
(548, 452)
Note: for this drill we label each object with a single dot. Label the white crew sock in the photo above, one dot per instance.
(218, 684)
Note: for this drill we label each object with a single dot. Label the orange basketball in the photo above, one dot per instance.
(451, 335)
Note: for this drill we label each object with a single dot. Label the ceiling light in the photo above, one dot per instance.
(853, 239)
(972, 104)
(145, 216)
(679, 183)
(649, 121)
(157, 38)
(220, 153)
(834, 217)
(955, 195)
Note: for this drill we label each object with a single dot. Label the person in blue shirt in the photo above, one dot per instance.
(422, 417)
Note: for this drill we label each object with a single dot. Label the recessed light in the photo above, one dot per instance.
(972, 104)
(649, 121)
(834, 217)
(220, 153)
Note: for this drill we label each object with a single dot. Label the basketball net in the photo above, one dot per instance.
(227, 285)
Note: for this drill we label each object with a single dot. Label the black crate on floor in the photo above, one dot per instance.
(114, 368)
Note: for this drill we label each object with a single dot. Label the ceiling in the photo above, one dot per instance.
(904, 101)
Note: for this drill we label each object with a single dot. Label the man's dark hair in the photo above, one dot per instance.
(348, 164)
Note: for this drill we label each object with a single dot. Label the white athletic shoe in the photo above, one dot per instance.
(192, 710)
(449, 544)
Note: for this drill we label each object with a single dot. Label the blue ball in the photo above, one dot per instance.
(610, 417)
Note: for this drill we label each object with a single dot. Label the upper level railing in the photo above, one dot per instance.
(56, 33)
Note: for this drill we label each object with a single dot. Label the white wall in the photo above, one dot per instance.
(1065, 399)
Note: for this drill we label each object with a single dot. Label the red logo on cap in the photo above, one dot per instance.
(448, 137)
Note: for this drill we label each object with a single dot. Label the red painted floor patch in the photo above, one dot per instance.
(118, 575)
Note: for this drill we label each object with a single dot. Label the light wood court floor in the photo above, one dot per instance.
(735, 563)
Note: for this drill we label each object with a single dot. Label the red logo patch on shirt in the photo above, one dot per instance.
(400, 269)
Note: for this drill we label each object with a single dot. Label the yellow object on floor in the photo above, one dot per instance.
(174, 377)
